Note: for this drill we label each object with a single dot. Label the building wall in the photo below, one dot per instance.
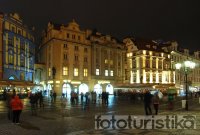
(148, 67)
(68, 46)
(193, 75)
(18, 49)
(1, 46)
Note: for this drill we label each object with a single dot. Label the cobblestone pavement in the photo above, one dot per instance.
(77, 120)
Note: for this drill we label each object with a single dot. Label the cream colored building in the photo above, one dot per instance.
(193, 75)
(74, 60)
(148, 64)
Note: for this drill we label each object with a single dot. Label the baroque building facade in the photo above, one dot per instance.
(79, 60)
(17, 53)
(148, 64)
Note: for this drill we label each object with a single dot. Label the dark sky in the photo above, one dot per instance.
(154, 19)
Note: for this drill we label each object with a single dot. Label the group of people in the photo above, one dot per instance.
(148, 100)
(35, 100)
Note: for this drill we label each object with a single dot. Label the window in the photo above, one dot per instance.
(19, 32)
(10, 57)
(65, 56)
(85, 59)
(79, 38)
(75, 71)
(106, 61)
(65, 70)
(22, 76)
(106, 72)
(22, 60)
(13, 29)
(111, 62)
(67, 35)
(97, 60)
(65, 46)
(76, 58)
(85, 74)
(49, 71)
(73, 36)
(10, 41)
(85, 50)
(97, 72)
(76, 48)
(111, 73)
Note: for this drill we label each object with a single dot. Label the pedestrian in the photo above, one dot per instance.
(17, 106)
(147, 102)
(8, 100)
(156, 103)
(33, 104)
(54, 96)
(170, 101)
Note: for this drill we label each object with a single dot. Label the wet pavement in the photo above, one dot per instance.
(80, 120)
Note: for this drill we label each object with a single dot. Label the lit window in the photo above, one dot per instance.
(106, 61)
(97, 72)
(65, 70)
(111, 73)
(106, 72)
(111, 62)
(10, 57)
(49, 71)
(75, 71)
(85, 74)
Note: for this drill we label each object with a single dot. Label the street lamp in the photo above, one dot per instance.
(186, 67)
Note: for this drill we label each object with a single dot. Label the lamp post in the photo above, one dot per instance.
(186, 67)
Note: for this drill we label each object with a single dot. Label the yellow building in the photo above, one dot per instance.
(148, 64)
(193, 75)
(74, 60)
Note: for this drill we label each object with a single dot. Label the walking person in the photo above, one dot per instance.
(17, 106)
(147, 102)
(8, 100)
(156, 103)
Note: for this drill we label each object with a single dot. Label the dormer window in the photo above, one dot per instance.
(148, 46)
(154, 47)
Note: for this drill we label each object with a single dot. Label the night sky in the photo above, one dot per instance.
(153, 19)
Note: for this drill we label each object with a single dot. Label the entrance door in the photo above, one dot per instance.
(98, 89)
(66, 89)
(83, 88)
(109, 89)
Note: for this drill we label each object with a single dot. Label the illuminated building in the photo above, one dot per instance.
(180, 55)
(17, 56)
(148, 63)
(79, 60)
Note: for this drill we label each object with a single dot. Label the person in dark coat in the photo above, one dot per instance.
(147, 102)
(156, 103)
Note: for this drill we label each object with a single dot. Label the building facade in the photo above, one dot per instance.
(193, 79)
(17, 53)
(148, 64)
(79, 60)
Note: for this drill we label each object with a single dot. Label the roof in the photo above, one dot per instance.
(149, 44)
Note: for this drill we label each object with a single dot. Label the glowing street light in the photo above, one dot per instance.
(186, 67)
